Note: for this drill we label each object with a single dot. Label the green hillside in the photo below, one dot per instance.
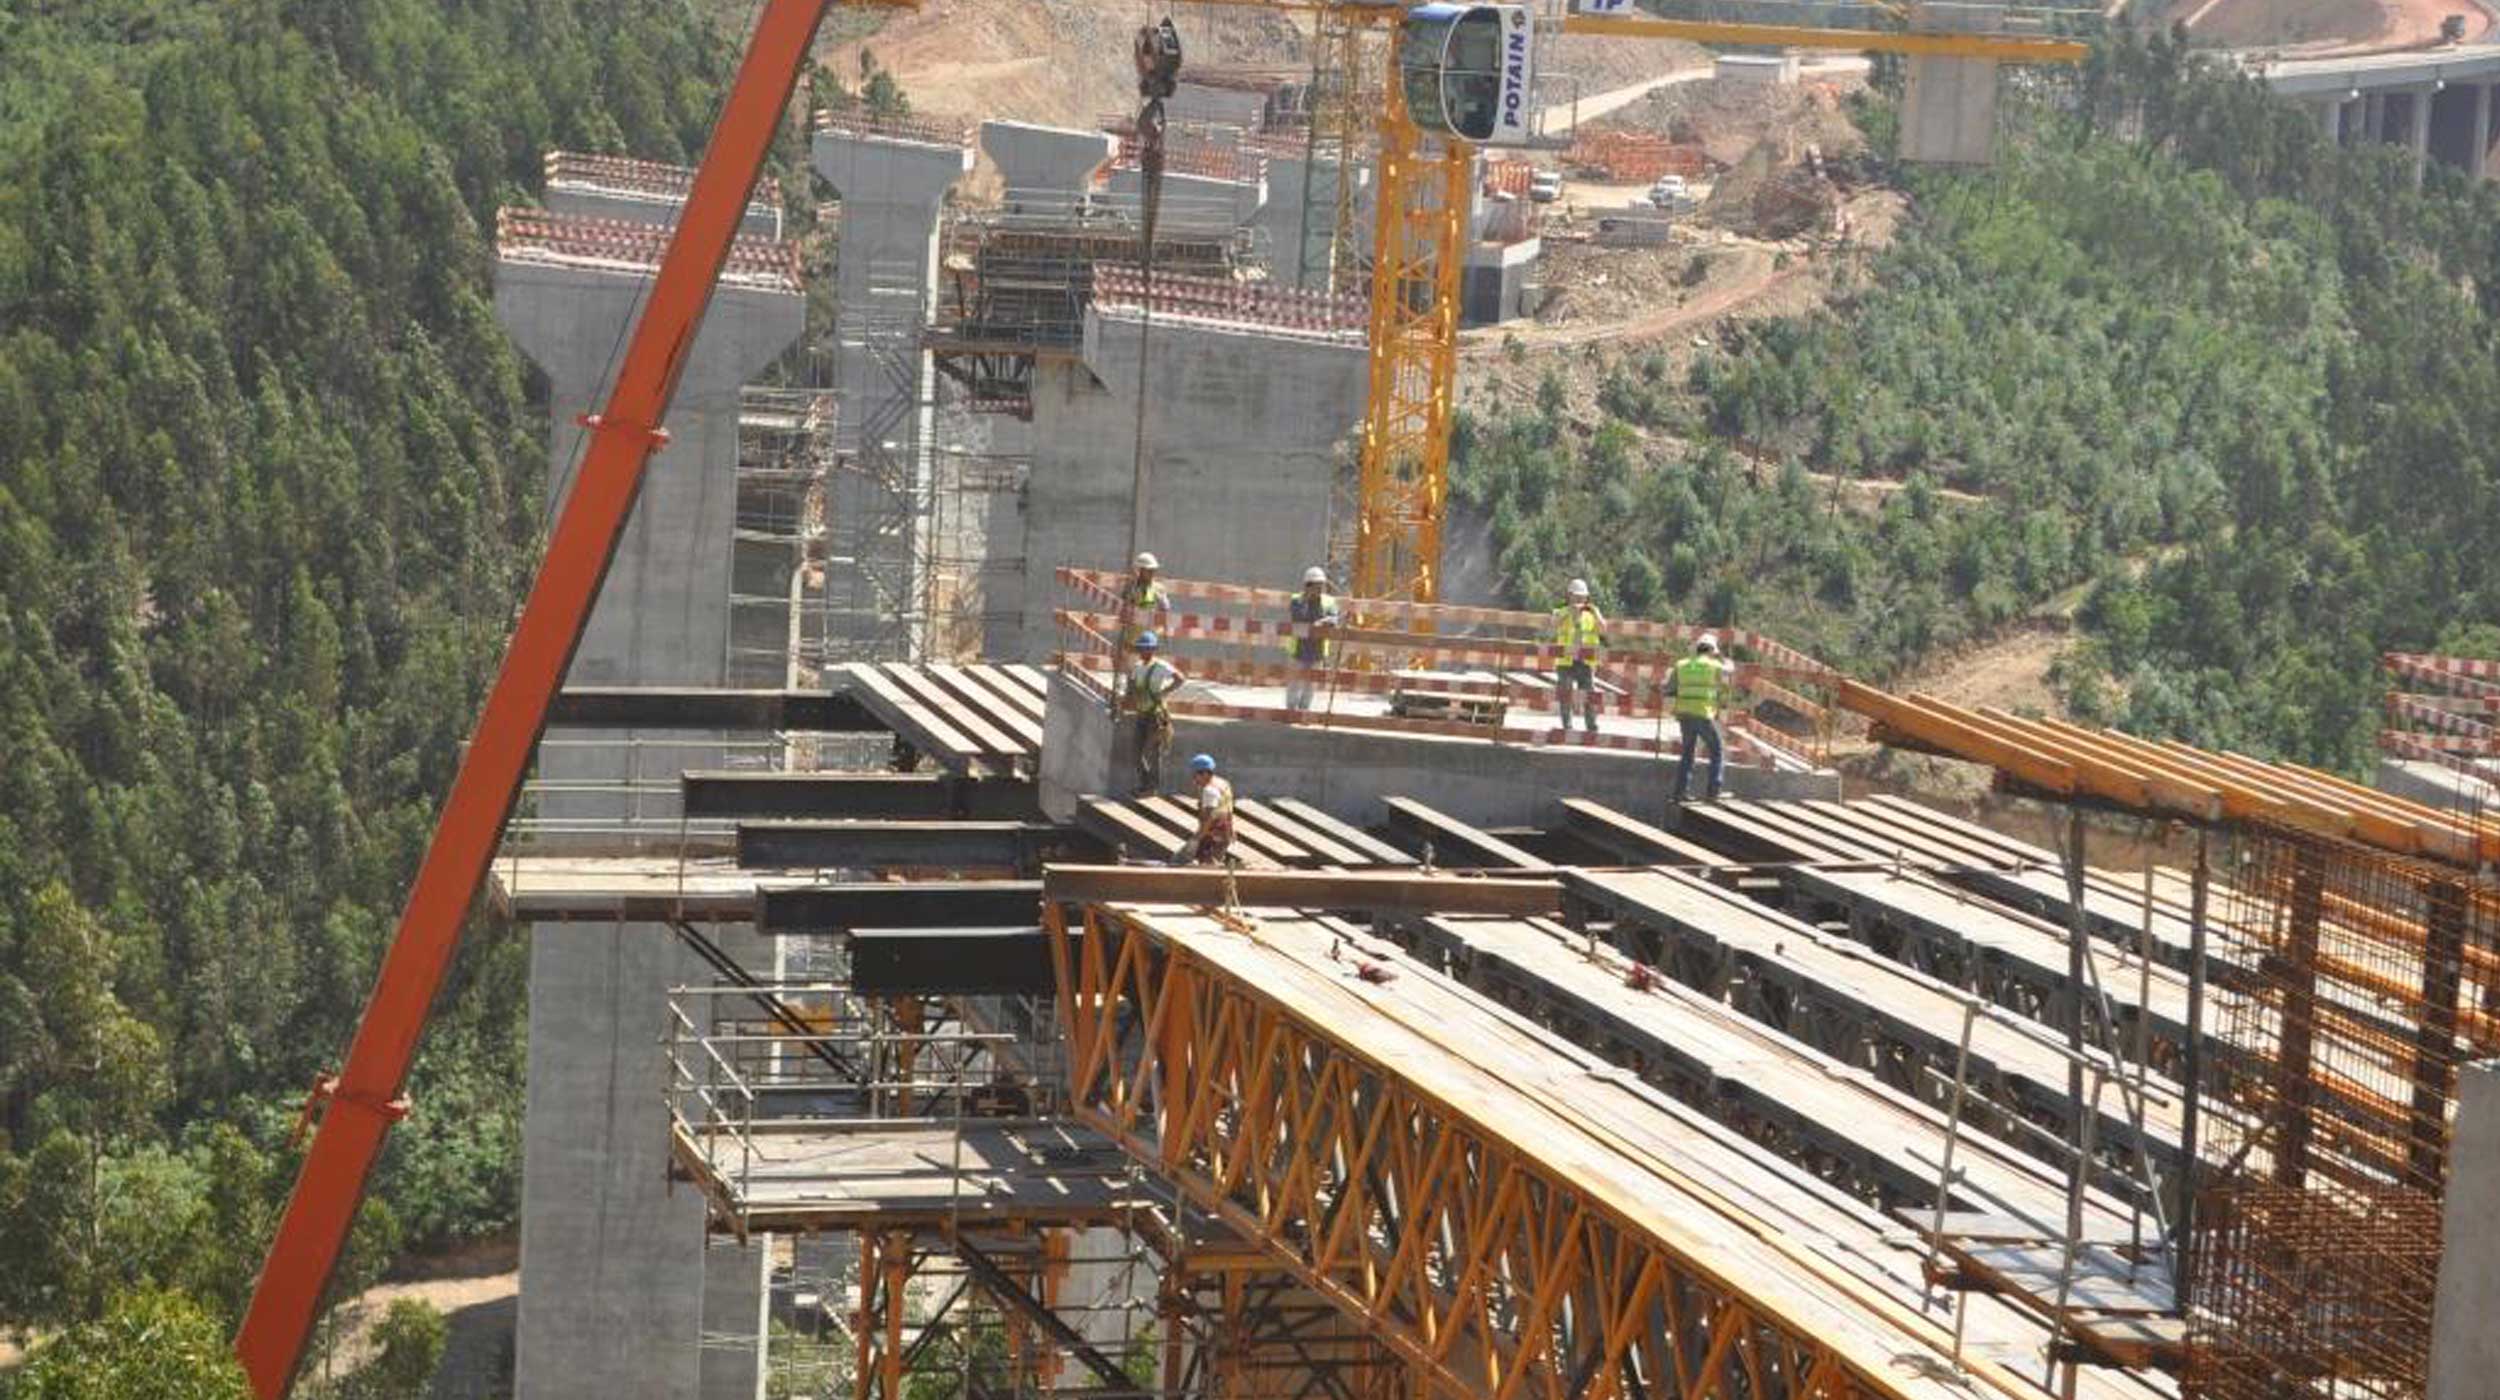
(270, 481)
(2235, 385)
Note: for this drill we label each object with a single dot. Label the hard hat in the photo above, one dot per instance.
(1148, 561)
(1315, 574)
(1202, 763)
(1148, 641)
(1708, 641)
(1579, 588)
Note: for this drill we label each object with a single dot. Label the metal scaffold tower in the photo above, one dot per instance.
(877, 550)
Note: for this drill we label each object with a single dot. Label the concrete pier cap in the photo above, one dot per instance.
(1196, 203)
(1046, 160)
(643, 191)
(881, 161)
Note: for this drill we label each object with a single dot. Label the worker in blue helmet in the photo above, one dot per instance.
(1150, 687)
(1213, 845)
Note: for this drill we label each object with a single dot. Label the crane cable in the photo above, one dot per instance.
(1157, 52)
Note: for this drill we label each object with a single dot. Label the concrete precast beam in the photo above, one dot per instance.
(1045, 160)
(1196, 203)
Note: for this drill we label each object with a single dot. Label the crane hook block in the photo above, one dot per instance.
(1158, 57)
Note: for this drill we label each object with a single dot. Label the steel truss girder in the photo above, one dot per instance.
(1486, 1271)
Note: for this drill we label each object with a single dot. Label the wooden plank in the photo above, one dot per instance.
(1032, 678)
(916, 722)
(1929, 726)
(1634, 839)
(1402, 892)
(1374, 850)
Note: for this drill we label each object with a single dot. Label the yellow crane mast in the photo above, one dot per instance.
(1461, 75)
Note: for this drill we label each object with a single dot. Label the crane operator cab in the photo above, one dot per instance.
(1470, 71)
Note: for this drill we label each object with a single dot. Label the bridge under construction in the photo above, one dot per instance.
(1774, 1096)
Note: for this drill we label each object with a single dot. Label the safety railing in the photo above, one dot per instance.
(1387, 653)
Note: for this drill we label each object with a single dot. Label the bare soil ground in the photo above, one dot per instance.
(477, 1290)
(2324, 28)
(1066, 62)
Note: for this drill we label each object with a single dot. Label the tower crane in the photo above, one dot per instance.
(1462, 76)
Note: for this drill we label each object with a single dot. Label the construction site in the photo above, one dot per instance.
(885, 1041)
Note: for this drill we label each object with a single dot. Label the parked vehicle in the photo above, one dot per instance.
(1545, 186)
(1671, 193)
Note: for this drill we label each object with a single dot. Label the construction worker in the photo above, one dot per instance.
(1309, 639)
(1144, 606)
(1213, 845)
(1694, 687)
(1580, 642)
(1149, 687)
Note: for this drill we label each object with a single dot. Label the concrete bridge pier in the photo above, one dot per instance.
(892, 177)
(620, 1286)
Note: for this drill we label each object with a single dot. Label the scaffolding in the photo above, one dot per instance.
(777, 631)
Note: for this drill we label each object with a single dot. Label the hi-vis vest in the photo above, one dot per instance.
(1697, 682)
(1144, 601)
(1147, 686)
(1304, 616)
(1580, 632)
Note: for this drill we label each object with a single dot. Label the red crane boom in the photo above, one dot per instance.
(363, 1100)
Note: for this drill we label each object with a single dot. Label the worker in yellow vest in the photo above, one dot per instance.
(1311, 626)
(1144, 605)
(1694, 689)
(1579, 644)
(1150, 688)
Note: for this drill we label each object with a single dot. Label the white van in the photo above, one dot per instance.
(1545, 186)
(1671, 193)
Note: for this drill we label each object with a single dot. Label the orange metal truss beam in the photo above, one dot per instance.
(1489, 1261)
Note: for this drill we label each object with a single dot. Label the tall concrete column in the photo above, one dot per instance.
(1244, 425)
(2420, 104)
(1298, 218)
(892, 179)
(2374, 116)
(2331, 120)
(2465, 1346)
(2478, 166)
(615, 1273)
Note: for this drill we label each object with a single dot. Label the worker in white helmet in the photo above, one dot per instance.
(1309, 636)
(1696, 687)
(1579, 645)
(1144, 605)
